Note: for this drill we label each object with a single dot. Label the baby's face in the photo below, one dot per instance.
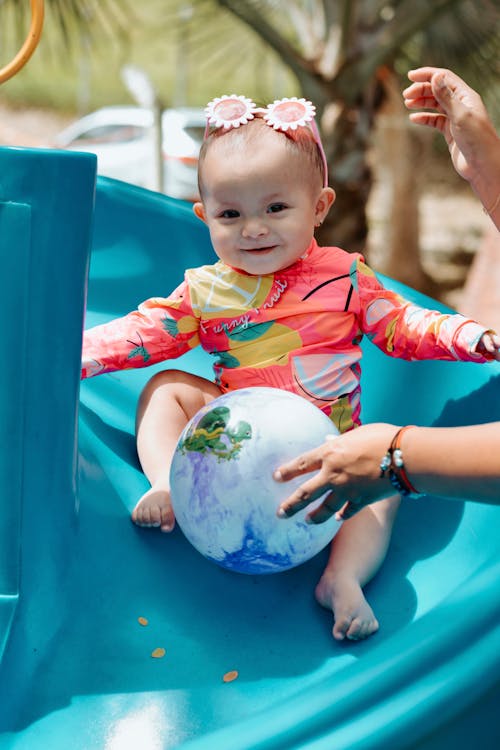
(260, 203)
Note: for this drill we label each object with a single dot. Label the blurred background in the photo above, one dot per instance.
(129, 81)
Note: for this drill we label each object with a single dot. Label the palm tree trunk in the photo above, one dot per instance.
(347, 133)
(399, 153)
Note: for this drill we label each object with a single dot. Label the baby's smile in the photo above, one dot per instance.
(266, 249)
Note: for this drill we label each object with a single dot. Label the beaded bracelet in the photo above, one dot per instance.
(393, 463)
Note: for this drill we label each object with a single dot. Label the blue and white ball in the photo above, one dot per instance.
(223, 492)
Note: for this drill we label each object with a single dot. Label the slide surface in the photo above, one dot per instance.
(86, 598)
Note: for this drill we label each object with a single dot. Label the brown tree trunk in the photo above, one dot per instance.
(398, 157)
(346, 138)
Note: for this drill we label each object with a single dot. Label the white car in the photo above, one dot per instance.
(124, 142)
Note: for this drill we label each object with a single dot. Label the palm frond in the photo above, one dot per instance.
(112, 17)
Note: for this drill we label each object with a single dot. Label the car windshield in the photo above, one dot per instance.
(196, 132)
(111, 134)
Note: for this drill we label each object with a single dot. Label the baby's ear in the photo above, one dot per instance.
(199, 211)
(324, 203)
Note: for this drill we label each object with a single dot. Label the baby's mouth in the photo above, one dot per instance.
(258, 250)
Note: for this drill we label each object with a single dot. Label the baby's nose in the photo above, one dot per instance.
(254, 228)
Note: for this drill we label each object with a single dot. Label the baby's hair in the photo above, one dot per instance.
(300, 141)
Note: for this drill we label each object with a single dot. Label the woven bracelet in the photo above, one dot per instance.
(393, 463)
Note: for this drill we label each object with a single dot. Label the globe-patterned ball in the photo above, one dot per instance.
(223, 492)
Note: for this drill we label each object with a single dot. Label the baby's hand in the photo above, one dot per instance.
(489, 346)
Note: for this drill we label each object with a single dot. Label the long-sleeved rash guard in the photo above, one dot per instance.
(298, 329)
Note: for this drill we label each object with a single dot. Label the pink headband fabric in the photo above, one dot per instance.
(283, 114)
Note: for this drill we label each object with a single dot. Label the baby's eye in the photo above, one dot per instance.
(274, 208)
(229, 213)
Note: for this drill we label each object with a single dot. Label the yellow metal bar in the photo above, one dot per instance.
(30, 44)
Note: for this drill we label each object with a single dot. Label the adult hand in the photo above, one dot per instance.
(347, 466)
(460, 115)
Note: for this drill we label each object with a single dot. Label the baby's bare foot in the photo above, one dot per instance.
(154, 509)
(353, 616)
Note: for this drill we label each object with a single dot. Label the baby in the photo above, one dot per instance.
(275, 310)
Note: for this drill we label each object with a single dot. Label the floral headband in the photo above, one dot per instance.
(283, 114)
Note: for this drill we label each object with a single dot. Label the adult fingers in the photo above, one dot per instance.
(454, 96)
(348, 511)
(303, 464)
(329, 507)
(424, 74)
(430, 119)
(444, 87)
(302, 496)
(421, 94)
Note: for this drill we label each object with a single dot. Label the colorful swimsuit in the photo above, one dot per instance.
(298, 329)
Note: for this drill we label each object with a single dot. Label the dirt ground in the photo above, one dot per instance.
(28, 127)
(458, 248)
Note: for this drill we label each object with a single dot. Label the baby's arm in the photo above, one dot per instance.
(405, 330)
(161, 329)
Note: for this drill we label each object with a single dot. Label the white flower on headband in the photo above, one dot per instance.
(285, 114)
(230, 111)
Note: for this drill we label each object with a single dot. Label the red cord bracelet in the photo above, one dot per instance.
(393, 462)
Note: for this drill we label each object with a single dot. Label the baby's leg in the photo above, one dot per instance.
(167, 403)
(357, 552)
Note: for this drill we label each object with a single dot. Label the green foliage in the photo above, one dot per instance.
(189, 57)
(191, 48)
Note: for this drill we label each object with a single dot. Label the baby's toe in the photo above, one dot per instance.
(143, 515)
(155, 515)
(167, 519)
(137, 517)
(361, 628)
(341, 627)
(141, 519)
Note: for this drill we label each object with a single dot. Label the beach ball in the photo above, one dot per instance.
(223, 492)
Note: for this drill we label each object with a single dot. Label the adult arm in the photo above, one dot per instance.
(462, 463)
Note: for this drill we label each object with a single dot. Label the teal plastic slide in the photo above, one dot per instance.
(86, 597)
